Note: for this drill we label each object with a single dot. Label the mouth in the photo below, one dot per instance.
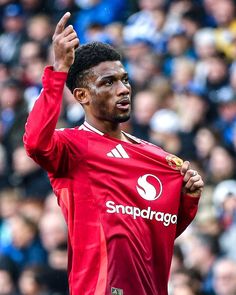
(123, 104)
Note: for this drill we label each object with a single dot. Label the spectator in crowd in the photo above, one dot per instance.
(8, 276)
(9, 203)
(224, 15)
(191, 21)
(185, 280)
(73, 112)
(208, 15)
(178, 47)
(31, 77)
(221, 165)
(147, 24)
(145, 105)
(100, 12)
(216, 80)
(42, 280)
(31, 59)
(182, 74)
(32, 7)
(177, 262)
(13, 113)
(201, 255)
(25, 247)
(28, 176)
(58, 258)
(3, 167)
(193, 100)
(29, 51)
(4, 72)
(13, 36)
(226, 122)
(33, 208)
(224, 200)
(205, 47)
(30, 282)
(57, 8)
(165, 125)
(224, 276)
(184, 289)
(51, 205)
(205, 140)
(176, 12)
(53, 230)
(141, 63)
(39, 29)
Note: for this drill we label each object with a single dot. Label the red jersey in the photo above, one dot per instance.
(122, 201)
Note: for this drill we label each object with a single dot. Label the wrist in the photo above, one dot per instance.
(60, 68)
(195, 194)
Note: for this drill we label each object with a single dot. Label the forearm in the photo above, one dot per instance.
(42, 120)
(191, 193)
(187, 211)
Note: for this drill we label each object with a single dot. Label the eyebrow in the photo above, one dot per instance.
(125, 74)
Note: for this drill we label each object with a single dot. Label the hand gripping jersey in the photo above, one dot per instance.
(122, 201)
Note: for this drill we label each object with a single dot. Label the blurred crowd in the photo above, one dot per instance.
(180, 56)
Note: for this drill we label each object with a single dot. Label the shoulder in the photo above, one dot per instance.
(70, 133)
(77, 133)
(171, 160)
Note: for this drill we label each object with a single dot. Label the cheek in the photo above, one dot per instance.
(102, 101)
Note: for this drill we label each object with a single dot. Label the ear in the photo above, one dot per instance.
(82, 95)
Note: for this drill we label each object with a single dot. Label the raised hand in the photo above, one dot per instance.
(65, 40)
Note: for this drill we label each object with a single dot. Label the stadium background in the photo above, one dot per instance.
(180, 56)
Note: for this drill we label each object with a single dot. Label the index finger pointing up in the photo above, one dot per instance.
(62, 22)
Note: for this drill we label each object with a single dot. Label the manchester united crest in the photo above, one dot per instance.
(174, 162)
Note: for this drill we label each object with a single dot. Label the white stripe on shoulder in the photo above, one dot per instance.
(62, 129)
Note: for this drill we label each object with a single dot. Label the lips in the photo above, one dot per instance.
(123, 104)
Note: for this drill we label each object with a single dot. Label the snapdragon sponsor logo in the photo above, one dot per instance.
(135, 212)
(147, 190)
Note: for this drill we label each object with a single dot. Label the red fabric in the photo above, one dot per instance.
(122, 201)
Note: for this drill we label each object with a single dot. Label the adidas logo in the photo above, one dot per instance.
(118, 152)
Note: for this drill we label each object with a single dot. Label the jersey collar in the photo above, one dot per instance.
(86, 126)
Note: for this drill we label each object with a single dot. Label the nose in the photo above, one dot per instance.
(123, 88)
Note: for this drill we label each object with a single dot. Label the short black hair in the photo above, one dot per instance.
(86, 57)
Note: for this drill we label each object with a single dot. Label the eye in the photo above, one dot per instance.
(125, 80)
(108, 82)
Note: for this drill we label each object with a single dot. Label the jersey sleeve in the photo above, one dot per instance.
(42, 143)
(187, 211)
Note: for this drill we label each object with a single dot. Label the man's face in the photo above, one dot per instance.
(110, 93)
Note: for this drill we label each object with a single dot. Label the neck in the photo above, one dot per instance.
(111, 129)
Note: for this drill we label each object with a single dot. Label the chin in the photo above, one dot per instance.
(122, 119)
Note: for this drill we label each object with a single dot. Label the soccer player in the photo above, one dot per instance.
(124, 200)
